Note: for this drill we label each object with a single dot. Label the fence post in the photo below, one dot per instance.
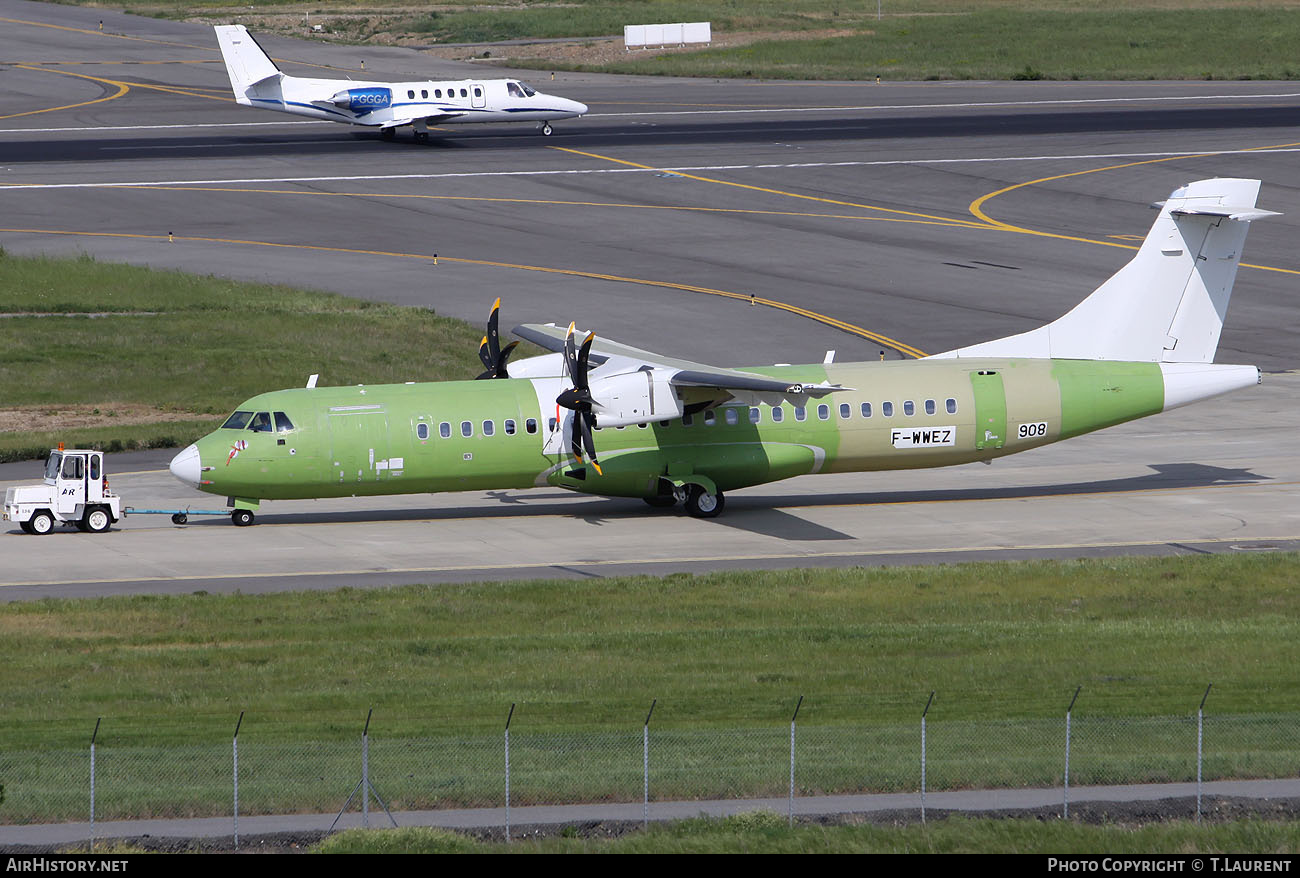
(365, 772)
(234, 745)
(792, 719)
(923, 713)
(1065, 795)
(508, 718)
(93, 735)
(645, 767)
(1200, 719)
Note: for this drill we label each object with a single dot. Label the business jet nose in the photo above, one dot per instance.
(579, 108)
(185, 466)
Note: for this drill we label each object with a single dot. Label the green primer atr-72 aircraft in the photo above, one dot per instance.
(604, 418)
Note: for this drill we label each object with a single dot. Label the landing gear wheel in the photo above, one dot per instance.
(96, 521)
(180, 518)
(388, 133)
(241, 517)
(41, 523)
(422, 137)
(661, 502)
(701, 504)
(547, 129)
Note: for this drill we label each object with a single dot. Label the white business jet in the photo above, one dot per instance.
(257, 82)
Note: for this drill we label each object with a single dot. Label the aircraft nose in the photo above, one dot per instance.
(579, 108)
(185, 466)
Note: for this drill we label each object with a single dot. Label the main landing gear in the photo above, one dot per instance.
(699, 501)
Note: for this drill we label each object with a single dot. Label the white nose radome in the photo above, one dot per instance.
(185, 466)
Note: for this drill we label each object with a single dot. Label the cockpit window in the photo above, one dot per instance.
(514, 90)
(261, 423)
(282, 423)
(527, 90)
(237, 421)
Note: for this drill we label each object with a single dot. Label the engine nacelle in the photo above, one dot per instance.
(364, 100)
(544, 366)
(635, 398)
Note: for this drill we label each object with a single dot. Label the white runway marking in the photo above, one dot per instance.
(345, 178)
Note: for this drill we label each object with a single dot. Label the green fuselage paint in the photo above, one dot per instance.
(497, 434)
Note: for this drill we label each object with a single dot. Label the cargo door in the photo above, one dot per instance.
(990, 409)
(359, 443)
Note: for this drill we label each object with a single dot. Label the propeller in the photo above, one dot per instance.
(578, 398)
(489, 349)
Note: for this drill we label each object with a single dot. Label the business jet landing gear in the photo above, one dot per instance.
(388, 133)
(547, 130)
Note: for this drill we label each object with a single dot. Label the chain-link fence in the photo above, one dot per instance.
(255, 773)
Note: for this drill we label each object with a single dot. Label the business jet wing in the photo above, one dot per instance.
(427, 120)
(612, 355)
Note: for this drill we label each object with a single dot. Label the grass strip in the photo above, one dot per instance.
(190, 348)
(765, 832)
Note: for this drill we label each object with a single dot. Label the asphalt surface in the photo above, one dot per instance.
(922, 215)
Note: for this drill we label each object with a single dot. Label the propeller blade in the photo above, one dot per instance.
(583, 421)
(490, 352)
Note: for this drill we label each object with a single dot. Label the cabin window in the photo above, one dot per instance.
(437, 92)
(489, 428)
(909, 408)
(951, 405)
(237, 421)
(824, 412)
(688, 420)
(510, 426)
(463, 93)
(72, 467)
(444, 430)
(755, 414)
(733, 417)
(424, 92)
(641, 426)
(410, 94)
(261, 423)
(846, 410)
(531, 425)
(866, 410)
(422, 431)
(778, 414)
(710, 418)
(929, 406)
(665, 423)
(467, 428)
(282, 423)
(800, 413)
(887, 409)
(478, 92)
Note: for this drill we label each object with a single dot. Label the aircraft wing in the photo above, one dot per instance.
(685, 373)
(428, 120)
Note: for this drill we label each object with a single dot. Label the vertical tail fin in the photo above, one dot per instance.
(246, 63)
(1168, 303)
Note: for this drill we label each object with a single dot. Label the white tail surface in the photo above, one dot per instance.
(246, 63)
(1168, 303)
